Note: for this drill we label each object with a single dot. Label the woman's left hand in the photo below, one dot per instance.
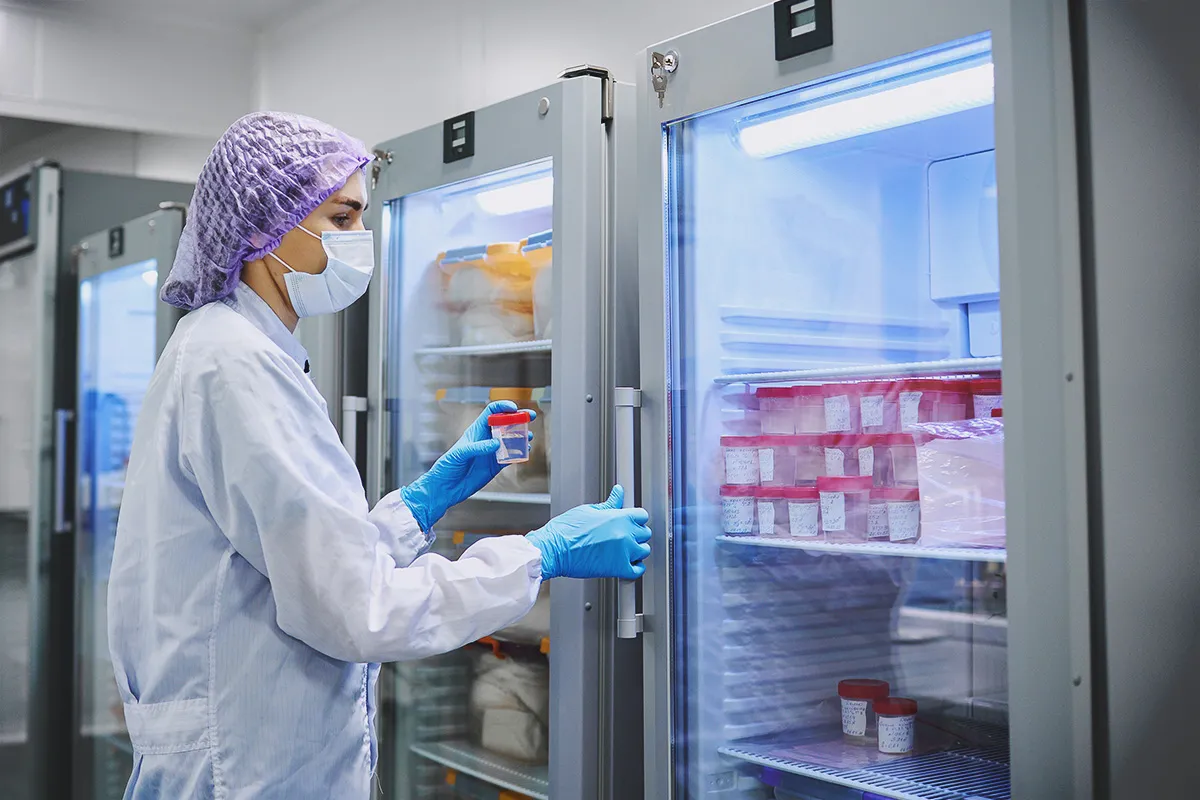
(462, 471)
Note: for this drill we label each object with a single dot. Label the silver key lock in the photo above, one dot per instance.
(662, 65)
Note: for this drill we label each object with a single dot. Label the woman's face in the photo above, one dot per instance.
(343, 211)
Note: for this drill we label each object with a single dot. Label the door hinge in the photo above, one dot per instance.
(383, 158)
(608, 87)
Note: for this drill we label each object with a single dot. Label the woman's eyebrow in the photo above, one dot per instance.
(349, 203)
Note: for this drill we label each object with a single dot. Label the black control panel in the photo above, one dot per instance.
(15, 211)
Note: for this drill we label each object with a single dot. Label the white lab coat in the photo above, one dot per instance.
(251, 583)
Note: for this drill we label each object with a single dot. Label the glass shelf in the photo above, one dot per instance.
(958, 366)
(506, 773)
(484, 350)
(984, 554)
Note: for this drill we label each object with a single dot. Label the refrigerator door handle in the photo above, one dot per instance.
(62, 416)
(351, 407)
(627, 402)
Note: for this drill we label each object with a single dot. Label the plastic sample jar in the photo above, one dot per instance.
(777, 410)
(804, 513)
(877, 518)
(844, 508)
(512, 431)
(810, 458)
(902, 517)
(953, 401)
(986, 395)
(737, 510)
(879, 409)
(842, 414)
(897, 717)
(810, 408)
(773, 512)
(901, 459)
(859, 696)
(916, 401)
(841, 456)
(777, 460)
(741, 460)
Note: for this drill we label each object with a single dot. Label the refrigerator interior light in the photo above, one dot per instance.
(514, 198)
(150, 276)
(879, 110)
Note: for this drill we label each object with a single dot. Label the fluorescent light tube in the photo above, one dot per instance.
(881, 110)
(514, 198)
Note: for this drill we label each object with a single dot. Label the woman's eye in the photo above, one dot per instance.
(342, 220)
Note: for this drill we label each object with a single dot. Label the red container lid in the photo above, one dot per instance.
(931, 385)
(510, 418)
(896, 439)
(836, 439)
(801, 493)
(808, 391)
(986, 386)
(740, 441)
(839, 389)
(898, 493)
(738, 491)
(809, 439)
(877, 387)
(774, 391)
(777, 441)
(863, 689)
(827, 483)
(997, 412)
(771, 492)
(896, 707)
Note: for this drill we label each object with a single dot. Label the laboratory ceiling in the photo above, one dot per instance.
(251, 14)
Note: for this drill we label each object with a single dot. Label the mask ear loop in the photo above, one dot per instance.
(281, 261)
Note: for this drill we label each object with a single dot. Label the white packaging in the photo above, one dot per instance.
(510, 706)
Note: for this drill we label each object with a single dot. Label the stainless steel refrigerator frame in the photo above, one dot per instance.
(584, 123)
(1050, 647)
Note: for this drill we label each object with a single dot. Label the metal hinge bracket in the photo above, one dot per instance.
(608, 87)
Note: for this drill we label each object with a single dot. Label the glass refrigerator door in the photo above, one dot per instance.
(470, 323)
(836, 438)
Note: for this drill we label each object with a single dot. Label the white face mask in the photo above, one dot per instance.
(345, 278)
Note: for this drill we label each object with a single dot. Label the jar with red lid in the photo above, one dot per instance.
(777, 410)
(858, 696)
(897, 720)
(930, 400)
(741, 460)
(810, 409)
(877, 520)
(773, 511)
(879, 409)
(777, 460)
(511, 430)
(902, 515)
(953, 401)
(899, 454)
(737, 510)
(810, 458)
(844, 507)
(986, 395)
(804, 512)
(841, 455)
(842, 408)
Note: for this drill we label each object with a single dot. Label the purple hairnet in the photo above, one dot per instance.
(266, 173)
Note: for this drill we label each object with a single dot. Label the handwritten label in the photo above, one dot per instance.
(766, 464)
(802, 520)
(877, 521)
(986, 403)
(854, 717)
(835, 462)
(837, 413)
(910, 409)
(871, 408)
(904, 520)
(766, 518)
(896, 734)
(741, 466)
(833, 511)
(866, 462)
(737, 514)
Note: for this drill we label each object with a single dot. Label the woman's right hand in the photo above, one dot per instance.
(595, 541)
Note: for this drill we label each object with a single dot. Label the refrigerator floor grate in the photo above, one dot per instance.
(495, 769)
(977, 772)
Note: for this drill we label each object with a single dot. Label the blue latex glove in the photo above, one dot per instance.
(597, 541)
(462, 471)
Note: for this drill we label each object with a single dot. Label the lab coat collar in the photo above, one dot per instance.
(246, 302)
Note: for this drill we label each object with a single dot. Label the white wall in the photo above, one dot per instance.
(408, 64)
(144, 155)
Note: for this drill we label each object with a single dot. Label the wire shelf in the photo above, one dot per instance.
(958, 366)
(497, 770)
(509, 349)
(977, 771)
(980, 554)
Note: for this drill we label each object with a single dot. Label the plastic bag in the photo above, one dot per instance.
(960, 471)
(510, 707)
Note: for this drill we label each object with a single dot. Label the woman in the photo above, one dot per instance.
(253, 592)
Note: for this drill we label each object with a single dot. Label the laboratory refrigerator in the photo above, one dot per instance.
(507, 272)
(46, 210)
(842, 601)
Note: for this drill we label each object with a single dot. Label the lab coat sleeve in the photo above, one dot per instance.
(278, 483)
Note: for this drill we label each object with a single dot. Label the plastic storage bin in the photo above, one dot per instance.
(777, 460)
(737, 510)
(879, 410)
(986, 395)
(842, 412)
(810, 409)
(844, 507)
(858, 697)
(903, 513)
(897, 719)
(539, 251)
(741, 460)
(777, 410)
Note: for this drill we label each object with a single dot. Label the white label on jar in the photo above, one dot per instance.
(871, 408)
(910, 409)
(802, 520)
(766, 518)
(737, 514)
(835, 462)
(833, 511)
(837, 413)
(877, 521)
(896, 734)
(741, 466)
(985, 404)
(854, 717)
(904, 520)
(766, 464)
(866, 462)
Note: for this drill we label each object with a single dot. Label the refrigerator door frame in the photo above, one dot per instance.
(1050, 647)
(513, 132)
